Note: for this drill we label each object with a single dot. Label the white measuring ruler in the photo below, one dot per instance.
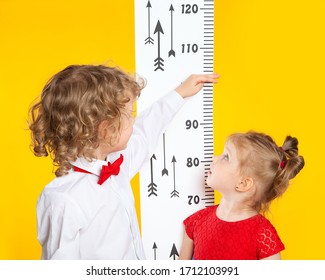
(173, 40)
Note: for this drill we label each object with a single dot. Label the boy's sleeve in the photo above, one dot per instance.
(148, 127)
(59, 222)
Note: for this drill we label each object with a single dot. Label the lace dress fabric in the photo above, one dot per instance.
(214, 239)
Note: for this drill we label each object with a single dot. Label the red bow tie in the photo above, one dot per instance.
(107, 170)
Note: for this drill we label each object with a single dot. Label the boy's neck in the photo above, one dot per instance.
(102, 153)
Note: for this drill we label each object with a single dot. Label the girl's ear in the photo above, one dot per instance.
(246, 184)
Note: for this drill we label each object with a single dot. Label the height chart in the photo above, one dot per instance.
(173, 40)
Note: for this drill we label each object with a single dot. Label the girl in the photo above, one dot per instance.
(251, 172)
(84, 121)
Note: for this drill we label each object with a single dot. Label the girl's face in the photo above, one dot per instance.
(224, 170)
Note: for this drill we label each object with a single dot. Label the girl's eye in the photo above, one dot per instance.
(225, 157)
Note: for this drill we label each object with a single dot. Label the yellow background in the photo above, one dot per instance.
(270, 55)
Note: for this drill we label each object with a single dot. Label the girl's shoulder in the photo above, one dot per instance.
(197, 218)
(264, 227)
(203, 212)
(262, 221)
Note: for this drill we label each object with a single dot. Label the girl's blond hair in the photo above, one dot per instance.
(64, 123)
(271, 166)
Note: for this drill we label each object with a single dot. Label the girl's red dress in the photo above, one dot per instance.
(214, 239)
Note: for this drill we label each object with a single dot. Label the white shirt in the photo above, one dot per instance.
(79, 219)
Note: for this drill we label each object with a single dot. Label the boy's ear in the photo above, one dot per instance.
(102, 130)
(246, 184)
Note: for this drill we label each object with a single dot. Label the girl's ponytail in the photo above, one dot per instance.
(290, 165)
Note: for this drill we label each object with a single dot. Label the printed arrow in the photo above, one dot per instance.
(171, 52)
(148, 40)
(173, 252)
(174, 193)
(164, 171)
(154, 247)
(159, 62)
(152, 187)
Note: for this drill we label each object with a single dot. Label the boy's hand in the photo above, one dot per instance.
(194, 83)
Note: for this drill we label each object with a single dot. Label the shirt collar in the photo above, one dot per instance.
(94, 166)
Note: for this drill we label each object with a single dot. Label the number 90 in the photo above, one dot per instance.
(192, 124)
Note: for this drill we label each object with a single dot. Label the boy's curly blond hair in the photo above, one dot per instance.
(64, 123)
